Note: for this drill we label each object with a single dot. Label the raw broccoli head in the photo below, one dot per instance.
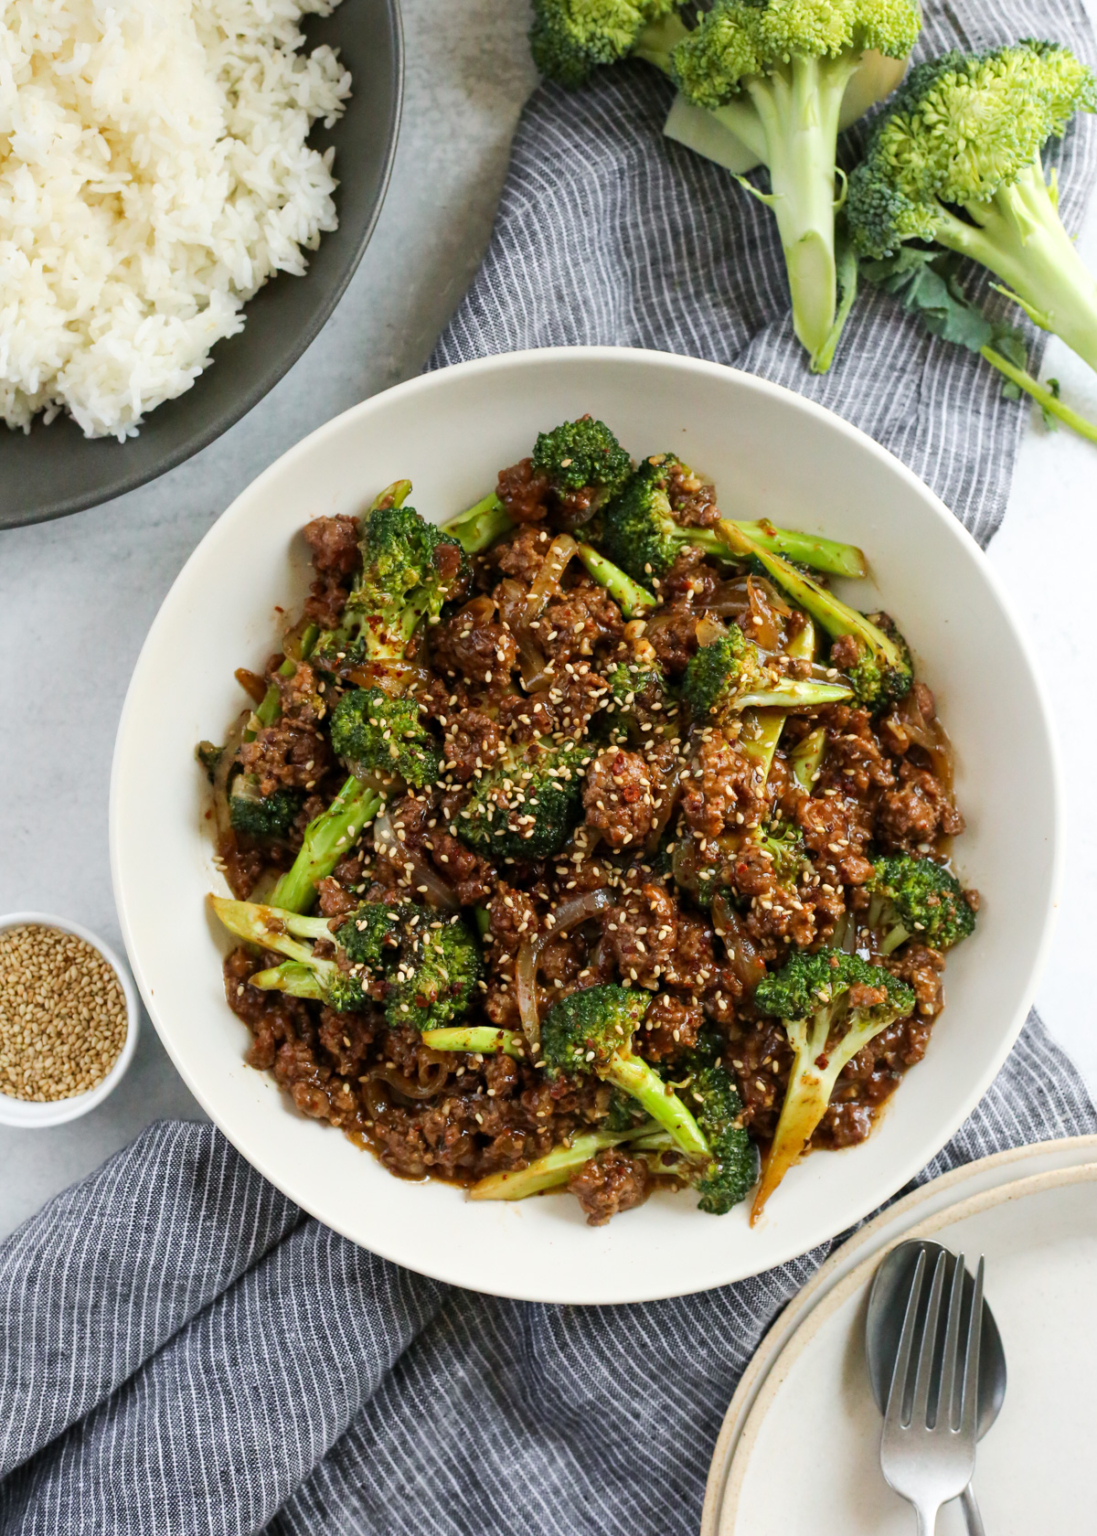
(409, 570)
(582, 1032)
(582, 456)
(571, 38)
(425, 967)
(812, 984)
(262, 817)
(738, 39)
(639, 531)
(917, 898)
(730, 675)
(959, 129)
(372, 731)
(526, 805)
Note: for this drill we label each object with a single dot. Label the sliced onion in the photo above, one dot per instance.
(405, 1086)
(437, 892)
(547, 581)
(567, 916)
(670, 792)
(709, 629)
(747, 964)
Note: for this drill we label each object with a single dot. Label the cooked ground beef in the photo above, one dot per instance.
(884, 786)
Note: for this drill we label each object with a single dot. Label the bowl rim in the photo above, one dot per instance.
(28, 1114)
(423, 383)
(265, 378)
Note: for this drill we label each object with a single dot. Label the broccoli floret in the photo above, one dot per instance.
(785, 845)
(591, 1031)
(734, 1167)
(917, 898)
(730, 674)
(582, 458)
(329, 837)
(571, 38)
(374, 732)
(409, 570)
(956, 160)
(423, 969)
(525, 806)
(778, 70)
(641, 533)
(639, 699)
(883, 672)
(261, 817)
(831, 1005)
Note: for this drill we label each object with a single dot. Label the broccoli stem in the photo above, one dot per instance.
(1019, 236)
(760, 729)
(473, 1037)
(292, 977)
(806, 758)
(480, 526)
(809, 1089)
(799, 108)
(554, 1169)
(657, 42)
(271, 706)
(1046, 399)
(633, 1076)
(828, 555)
(633, 600)
(329, 838)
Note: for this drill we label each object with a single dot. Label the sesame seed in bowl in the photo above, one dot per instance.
(68, 1020)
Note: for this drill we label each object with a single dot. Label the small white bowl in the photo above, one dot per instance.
(28, 1115)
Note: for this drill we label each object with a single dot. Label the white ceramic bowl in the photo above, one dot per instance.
(27, 1115)
(770, 452)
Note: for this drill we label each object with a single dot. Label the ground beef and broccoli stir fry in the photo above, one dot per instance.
(588, 842)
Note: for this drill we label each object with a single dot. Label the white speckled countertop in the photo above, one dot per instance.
(77, 596)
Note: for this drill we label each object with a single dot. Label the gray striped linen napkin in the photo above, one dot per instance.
(185, 1353)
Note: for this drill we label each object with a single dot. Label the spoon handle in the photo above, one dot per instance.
(971, 1512)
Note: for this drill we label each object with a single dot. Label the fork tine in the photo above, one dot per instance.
(919, 1415)
(969, 1402)
(951, 1354)
(893, 1416)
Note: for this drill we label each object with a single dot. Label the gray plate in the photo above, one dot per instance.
(56, 470)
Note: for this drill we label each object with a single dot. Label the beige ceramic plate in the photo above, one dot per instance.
(798, 1451)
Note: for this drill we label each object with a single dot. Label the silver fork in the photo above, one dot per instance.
(928, 1456)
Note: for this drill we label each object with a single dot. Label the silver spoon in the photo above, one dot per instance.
(884, 1323)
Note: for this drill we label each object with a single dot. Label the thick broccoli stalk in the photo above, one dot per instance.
(831, 1004)
(571, 38)
(883, 672)
(783, 67)
(409, 570)
(591, 1031)
(375, 733)
(641, 534)
(916, 898)
(956, 160)
(328, 838)
(264, 818)
(525, 806)
(477, 1038)
(423, 970)
(730, 675)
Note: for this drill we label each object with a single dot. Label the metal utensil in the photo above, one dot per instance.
(927, 1452)
(883, 1329)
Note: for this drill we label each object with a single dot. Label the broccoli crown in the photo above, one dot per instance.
(737, 39)
(884, 670)
(719, 672)
(526, 805)
(718, 1110)
(424, 967)
(571, 38)
(923, 899)
(640, 695)
(373, 730)
(344, 993)
(785, 846)
(582, 455)
(960, 128)
(639, 532)
(262, 816)
(583, 1031)
(809, 983)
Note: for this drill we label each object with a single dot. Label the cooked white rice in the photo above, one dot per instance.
(153, 174)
